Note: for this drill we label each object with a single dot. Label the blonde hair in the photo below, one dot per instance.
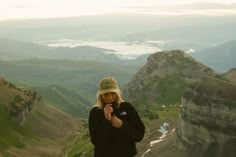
(100, 104)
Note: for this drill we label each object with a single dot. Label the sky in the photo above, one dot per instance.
(23, 9)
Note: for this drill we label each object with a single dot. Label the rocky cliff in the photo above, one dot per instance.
(164, 78)
(207, 125)
(18, 102)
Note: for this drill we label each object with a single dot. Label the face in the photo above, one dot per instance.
(109, 97)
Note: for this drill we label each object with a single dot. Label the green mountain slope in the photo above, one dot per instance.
(81, 77)
(65, 99)
(164, 78)
(33, 129)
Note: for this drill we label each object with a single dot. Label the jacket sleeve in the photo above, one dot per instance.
(99, 127)
(133, 127)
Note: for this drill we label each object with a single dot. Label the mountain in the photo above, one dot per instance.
(164, 78)
(65, 100)
(221, 57)
(29, 127)
(205, 125)
(230, 75)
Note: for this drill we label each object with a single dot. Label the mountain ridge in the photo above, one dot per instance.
(25, 50)
(164, 77)
(221, 56)
(41, 129)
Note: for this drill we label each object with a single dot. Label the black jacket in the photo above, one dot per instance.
(115, 142)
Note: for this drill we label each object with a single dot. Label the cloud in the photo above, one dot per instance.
(17, 6)
(216, 9)
(208, 6)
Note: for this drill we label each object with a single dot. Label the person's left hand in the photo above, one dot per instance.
(116, 122)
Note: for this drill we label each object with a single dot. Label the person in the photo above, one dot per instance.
(114, 125)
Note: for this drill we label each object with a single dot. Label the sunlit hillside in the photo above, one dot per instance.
(33, 128)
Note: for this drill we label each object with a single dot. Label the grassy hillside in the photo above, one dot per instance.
(65, 99)
(81, 77)
(11, 134)
(46, 131)
(163, 79)
(172, 87)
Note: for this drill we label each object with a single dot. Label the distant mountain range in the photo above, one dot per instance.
(183, 31)
(18, 50)
(220, 57)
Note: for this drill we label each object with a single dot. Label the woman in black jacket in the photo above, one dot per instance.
(114, 125)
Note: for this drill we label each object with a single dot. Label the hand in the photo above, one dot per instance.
(116, 122)
(107, 111)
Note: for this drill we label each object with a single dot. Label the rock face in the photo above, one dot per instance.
(20, 112)
(18, 102)
(164, 78)
(207, 125)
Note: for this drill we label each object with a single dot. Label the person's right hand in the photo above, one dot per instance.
(107, 111)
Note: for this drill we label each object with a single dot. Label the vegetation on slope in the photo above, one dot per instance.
(65, 100)
(81, 77)
(163, 79)
(11, 134)
(45, 131)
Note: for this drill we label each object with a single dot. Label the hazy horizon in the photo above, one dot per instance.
(30, 9)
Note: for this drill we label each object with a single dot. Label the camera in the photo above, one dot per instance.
(115, 108)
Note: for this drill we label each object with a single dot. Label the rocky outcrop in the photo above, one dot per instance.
(207, 123)
(18, 102)
(21, 111)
